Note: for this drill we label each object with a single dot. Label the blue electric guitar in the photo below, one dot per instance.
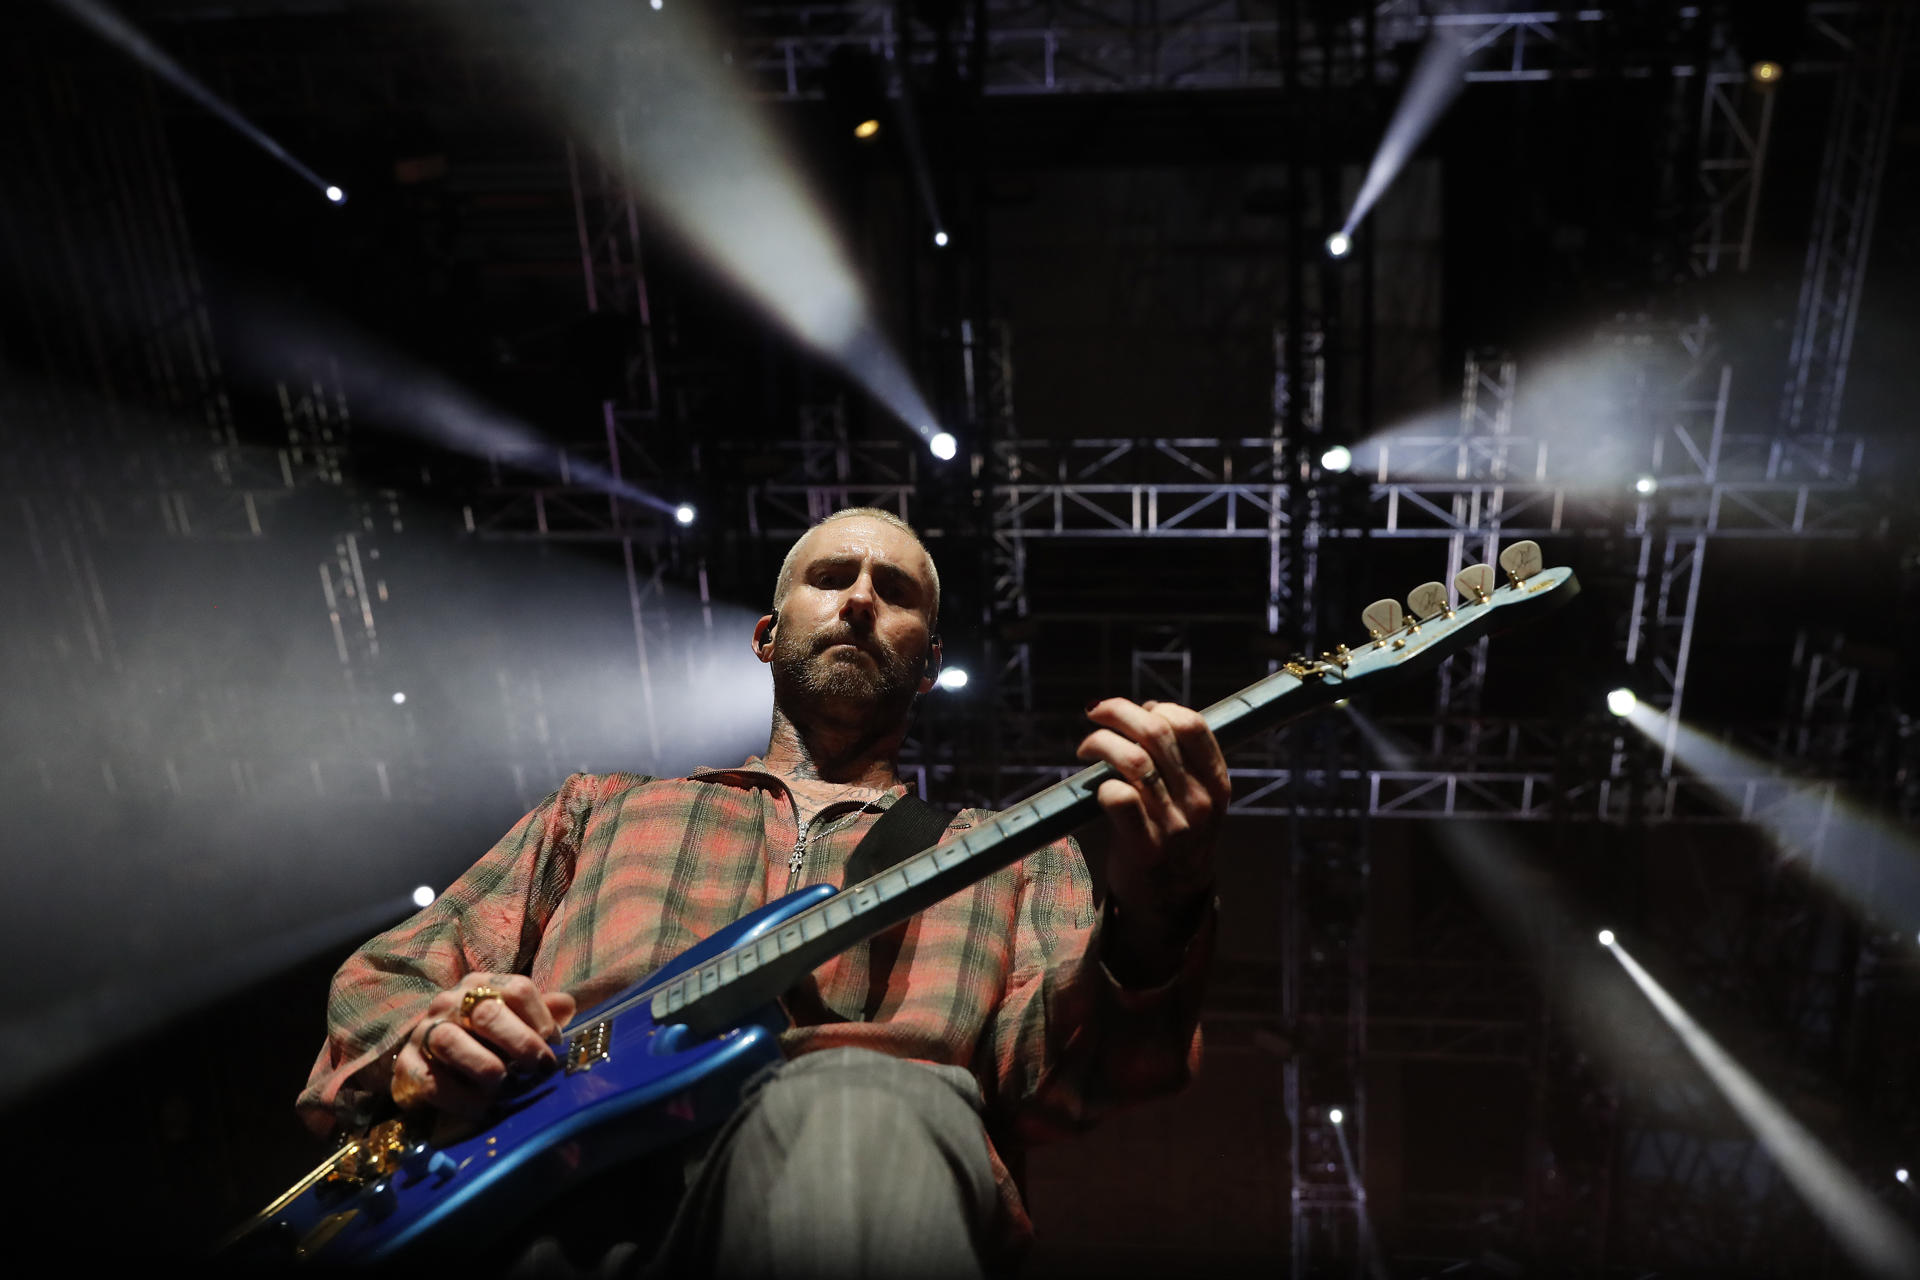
(668, 1057)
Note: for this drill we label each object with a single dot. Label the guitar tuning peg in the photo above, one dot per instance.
(1429, 600)
(1475, 582)
(1382, 618)
(1522, 560)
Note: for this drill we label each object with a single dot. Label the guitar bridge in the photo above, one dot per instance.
(588, 1046)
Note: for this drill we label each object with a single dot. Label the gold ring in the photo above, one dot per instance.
(426, 1040)
(474, 997)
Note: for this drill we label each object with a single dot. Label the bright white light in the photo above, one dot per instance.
(1337, 458)
(399, 698)
(952, 678)
(336, 195)
(684, 513)
(656, 3)
(423, 896)
(1606, 937)
(1339, 244)
(940, 239)
(1622, 702)
(1645, 485)
(943, 444)
(1336, 1115)
(1902, 1176)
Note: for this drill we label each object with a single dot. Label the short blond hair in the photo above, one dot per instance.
(784, 582)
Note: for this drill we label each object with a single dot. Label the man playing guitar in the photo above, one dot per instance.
(1014, 1008)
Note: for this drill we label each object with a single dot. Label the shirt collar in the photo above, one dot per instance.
(753, 767)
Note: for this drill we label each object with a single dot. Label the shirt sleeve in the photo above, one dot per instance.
(490, 920)
(1069, 1041)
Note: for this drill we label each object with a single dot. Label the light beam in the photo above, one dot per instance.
(680, 128)
(1437, 79)
(1870, 863)
(1858, 1222)
(116, 30)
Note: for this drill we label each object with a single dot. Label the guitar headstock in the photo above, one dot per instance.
(1436, 621)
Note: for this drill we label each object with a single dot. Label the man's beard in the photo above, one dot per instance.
(805, 675)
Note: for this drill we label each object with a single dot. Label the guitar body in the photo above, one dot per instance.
(621, 1093)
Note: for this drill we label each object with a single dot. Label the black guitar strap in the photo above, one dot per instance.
(909, 825)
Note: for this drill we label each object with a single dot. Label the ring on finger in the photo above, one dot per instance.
(472, 998)
(426, 1040)
(1150, 778)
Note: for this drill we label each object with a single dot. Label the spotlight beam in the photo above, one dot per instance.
(116, 30)
(679, 127)
(1437, 79)
(78, 1028)
(917, 159)
(391, 391)
(1876, 1241)
(1869, 863)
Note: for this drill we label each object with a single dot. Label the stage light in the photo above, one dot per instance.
(1339, 244)
(1902, 1177)
(1767, 72)
(399, 698)
(1645, 485)
(1336, 1115)
(1622, 702)
(951, 678)
(684, 513)
(1337, 458)
(944, 446)
(423, 896)
(1342, 703)
(940, 239)
(1606, 937)
(336, 195)
(656, 4)
(867, 129)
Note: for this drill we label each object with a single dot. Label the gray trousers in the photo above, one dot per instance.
(842, 1163)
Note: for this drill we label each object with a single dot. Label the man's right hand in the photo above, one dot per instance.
(456, 1064)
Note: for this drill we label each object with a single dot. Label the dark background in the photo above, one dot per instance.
(196, 835)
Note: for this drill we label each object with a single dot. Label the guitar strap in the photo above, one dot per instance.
(909, 825)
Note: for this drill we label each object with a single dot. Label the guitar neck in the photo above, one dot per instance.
(728, 988)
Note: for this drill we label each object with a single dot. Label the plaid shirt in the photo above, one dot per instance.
(612, 876)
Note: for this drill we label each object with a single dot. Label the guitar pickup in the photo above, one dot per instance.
(588, 1046)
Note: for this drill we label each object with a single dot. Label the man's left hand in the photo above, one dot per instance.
(1165, 808)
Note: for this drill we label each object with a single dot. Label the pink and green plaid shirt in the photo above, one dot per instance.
(612, 876)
